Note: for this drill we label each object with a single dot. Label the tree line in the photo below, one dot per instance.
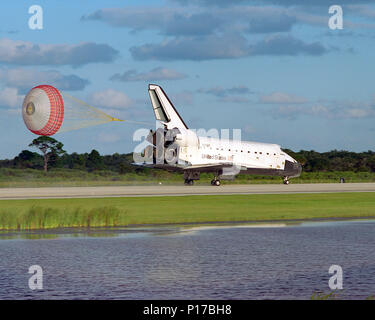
(335, 160)
(50, 154)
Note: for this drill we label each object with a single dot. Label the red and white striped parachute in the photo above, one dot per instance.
(46, 111)
(43, 110)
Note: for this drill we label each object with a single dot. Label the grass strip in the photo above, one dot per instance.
(108, 212)
(11, 178)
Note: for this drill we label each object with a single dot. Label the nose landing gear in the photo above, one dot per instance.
(285, 180)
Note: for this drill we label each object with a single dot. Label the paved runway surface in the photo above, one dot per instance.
(160, 190)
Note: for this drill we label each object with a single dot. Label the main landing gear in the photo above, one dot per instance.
(215, 182)
(189, 182)
(190, 176)
(285, 180)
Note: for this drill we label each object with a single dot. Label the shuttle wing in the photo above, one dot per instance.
(209, 167)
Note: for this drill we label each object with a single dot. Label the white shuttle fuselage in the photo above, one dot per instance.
(174, 147)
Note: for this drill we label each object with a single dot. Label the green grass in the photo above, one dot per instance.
(325, 296)
(48, 217)
(10, 178)
(102, 212)
(333, 295)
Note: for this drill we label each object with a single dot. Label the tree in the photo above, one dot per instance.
(28, 159)
(49, 147)
(76, 161)
(94, 161)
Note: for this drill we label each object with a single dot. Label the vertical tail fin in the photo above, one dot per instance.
(164, 110)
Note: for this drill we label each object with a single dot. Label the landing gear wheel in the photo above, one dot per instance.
(215, 182)
(189, 182)
(286, 180)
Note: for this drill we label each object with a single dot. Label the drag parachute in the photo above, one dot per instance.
(46, 111)
(43, 110)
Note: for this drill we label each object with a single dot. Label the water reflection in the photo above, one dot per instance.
(102, 232)
(191, 262)
(166, 230)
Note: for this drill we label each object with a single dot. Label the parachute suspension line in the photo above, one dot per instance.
(138, 122)
(93, 109)
(99, 113)
(79, 114)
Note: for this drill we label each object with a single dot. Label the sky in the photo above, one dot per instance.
(274, 69)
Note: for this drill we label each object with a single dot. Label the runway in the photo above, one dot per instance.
(179, 190)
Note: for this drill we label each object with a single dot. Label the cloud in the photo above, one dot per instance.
(225, 16)
(282, 45)
(194, 48)
(235, 99)
(223, 92)
(359, 112)
(169, 21)
(25, 79)
(110, 98)
(280, 98)
(324, 3)
(140, 18)
(294, 111)
(229, 95)
(267, 2)
(10, 98)
(330, 110)
(362, 10)
(155, 74)
(210, 2)
(199, 23)
(272, 23)
(236, 46)
(182, 98)
(196, 21)
(19, 52)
